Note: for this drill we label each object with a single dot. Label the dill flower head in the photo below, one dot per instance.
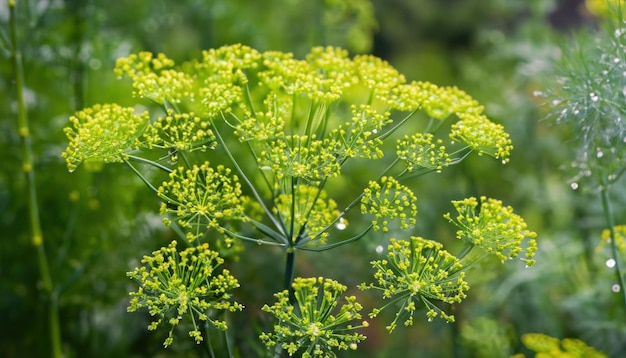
(546, 346)
(315, 325)
(389, 200)
(620, 239)
(202, 198)
(418, 272)
(184, 132)
(311, 211)
(494, 228)
(299, 157)
(175, 284)
(155, 78)
(482, 135)
(102, 132)
(604, 8)
(422, 151)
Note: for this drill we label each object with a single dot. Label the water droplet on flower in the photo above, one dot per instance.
(503, 161)
(379, 249)
(610, 263)
(615, 288)
(574, 186)
(341, 224)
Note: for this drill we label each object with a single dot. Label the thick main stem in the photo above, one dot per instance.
(290, 270)
(28, 169)
(610, 222)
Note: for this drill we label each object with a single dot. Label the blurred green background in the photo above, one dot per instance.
(98, 224)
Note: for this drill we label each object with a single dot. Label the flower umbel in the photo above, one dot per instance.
(494, 228)
(422, 151)
(201, 197)
(314, 326)
(186, 132)
(102, 132)
(311, 211)
(389, 200)
(482, 135)
(174, 284)
(418, 271)
(546, 346)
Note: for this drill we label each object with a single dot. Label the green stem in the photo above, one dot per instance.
(290, 270)
(607, 209)
(28, 168)
(148, 161)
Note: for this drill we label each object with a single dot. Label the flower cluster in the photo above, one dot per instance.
(494, 228)
(422, 151)
(300, 157)
(358, 137)
(202, 198)
(174, 284)
(620, 238)
(389, 200)
(312, 213)
(418, 271)
(604, 8)
(314, 325)
(482, 135)
(546, 346)
(102, 132)
(181, 132)
(155, 78)
(438, 102)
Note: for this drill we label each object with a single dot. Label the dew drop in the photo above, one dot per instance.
(599, 154)
(593, 96)
(616, 60)
(537, 93)
(341, 224)
(610, 263)
(379, 249)
(615, 288)
(574, 186)
(576, 111)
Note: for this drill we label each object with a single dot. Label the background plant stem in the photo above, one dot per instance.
(610, 222)
(28, 168)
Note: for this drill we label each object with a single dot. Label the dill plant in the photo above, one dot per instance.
(250, 142)
(588, 96)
